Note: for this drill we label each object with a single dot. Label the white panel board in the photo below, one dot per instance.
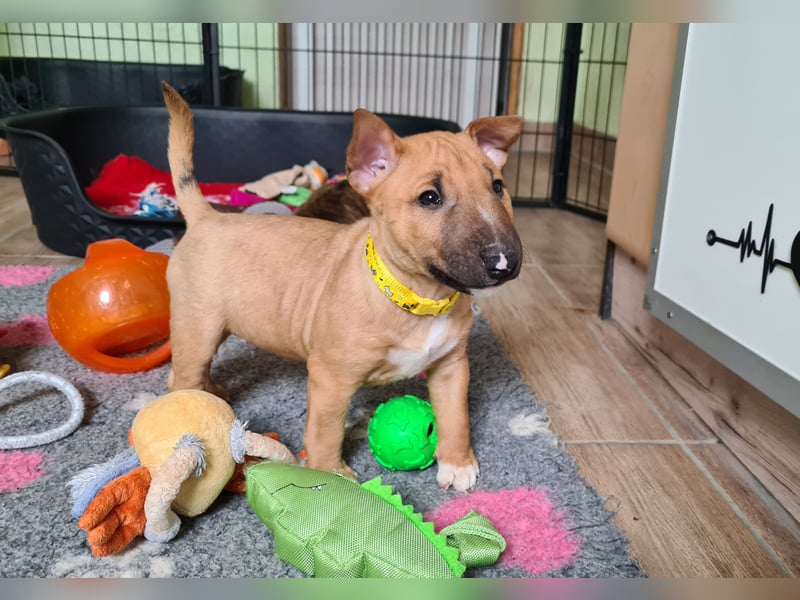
(732, 161)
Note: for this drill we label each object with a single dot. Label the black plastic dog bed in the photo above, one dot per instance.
(58, 153)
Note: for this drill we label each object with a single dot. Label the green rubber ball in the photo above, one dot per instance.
(402, 434)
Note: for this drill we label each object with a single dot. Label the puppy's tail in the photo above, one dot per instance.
(181, 140)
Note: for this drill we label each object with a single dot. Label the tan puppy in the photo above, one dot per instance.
(301, 288)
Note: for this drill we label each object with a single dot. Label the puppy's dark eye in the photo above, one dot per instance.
(497, 186)
(429, 198)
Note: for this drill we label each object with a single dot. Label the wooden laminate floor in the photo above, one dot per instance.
(688, 507)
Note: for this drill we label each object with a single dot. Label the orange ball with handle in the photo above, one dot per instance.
(111, 313)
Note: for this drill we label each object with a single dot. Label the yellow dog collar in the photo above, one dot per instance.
(400, 294)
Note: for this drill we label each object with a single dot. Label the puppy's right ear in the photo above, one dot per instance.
(494, 135)
(372, 152)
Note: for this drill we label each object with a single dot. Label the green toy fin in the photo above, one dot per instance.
(449, 554)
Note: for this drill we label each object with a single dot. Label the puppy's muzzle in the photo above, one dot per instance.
(472, 265)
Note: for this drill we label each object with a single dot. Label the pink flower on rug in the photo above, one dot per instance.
(27, 330)
(18, 469)
(20, 276)
(536, 533)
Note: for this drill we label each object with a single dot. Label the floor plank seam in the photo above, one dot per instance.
(554, 285)
(754, 531)
(709, 442)
(38, 256)
(571, 265)
(13, 233)
(771, 552)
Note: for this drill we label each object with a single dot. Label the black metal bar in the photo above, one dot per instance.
(504, 68)
(607, 136)
(607, 291)
(566, 110)
(211, 62)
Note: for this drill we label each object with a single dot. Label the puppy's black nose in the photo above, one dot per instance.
(500, 266)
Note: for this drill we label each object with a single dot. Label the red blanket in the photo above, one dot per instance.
(124, 178)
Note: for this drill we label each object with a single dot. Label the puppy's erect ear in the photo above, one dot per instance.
(371, 153)
(494, 135)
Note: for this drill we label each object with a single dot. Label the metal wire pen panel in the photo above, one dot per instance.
(598, 100)
(536, 65)
(50, 65)
(255, 49)
(564, 79)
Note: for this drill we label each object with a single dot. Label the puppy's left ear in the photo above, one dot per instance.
(494, 135)
(372, 152)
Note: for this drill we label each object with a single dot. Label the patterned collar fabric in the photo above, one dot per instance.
(400, 294)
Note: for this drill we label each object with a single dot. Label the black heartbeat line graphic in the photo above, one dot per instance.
(748, 246)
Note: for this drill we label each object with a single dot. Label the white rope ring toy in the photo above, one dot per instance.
(51, 435)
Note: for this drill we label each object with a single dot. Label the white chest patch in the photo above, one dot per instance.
(411, 362)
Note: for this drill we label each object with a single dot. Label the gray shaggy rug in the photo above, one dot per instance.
(554, 524)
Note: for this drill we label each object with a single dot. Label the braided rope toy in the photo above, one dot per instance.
(51, 435)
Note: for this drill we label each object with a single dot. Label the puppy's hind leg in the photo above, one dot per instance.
(193, 349)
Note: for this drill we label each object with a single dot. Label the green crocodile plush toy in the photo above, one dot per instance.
(326, 525)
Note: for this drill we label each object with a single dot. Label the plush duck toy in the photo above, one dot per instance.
(185, 449)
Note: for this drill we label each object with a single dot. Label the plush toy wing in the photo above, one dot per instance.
(329, 526)
(109, 502)
(116, 516)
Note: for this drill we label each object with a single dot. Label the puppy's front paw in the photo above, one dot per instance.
(341, 468)
(461, 478)
(346, 471)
